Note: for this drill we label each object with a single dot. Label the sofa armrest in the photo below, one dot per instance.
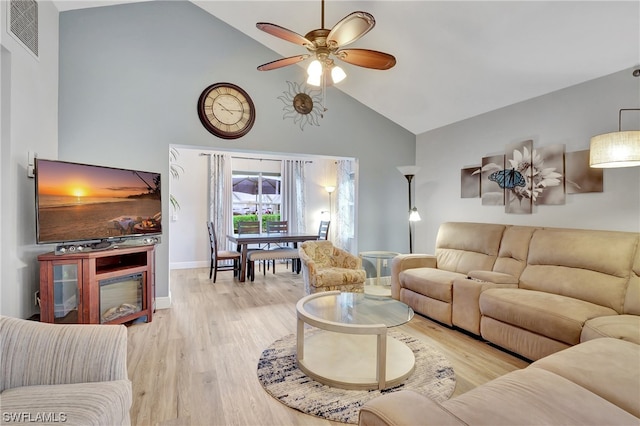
(408, 261)
(405, 408)
(307, 262)
(465, 311)
(34, 353)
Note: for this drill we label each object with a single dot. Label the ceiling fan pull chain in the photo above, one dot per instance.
(324, 91)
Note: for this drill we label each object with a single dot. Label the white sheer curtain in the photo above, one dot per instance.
(343, 223)
(294, 203)
(220, 193)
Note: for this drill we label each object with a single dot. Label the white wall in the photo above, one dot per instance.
(29, 121)
(571, 117)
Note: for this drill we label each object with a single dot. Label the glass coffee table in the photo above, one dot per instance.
(352, 350)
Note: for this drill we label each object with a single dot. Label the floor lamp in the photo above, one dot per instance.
(409, 172)
(330, 190)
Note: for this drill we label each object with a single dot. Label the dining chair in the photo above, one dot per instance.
(281, 227)
(277, 227)
(218, 256)
(250, 227)
(280, 252)
(323, 232)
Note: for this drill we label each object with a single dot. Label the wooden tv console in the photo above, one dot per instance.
(71, 286)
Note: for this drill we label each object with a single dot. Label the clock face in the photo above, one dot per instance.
(226, 110)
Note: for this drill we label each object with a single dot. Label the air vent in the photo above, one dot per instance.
(23, 23)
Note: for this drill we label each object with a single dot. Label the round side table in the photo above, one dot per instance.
(377, 265)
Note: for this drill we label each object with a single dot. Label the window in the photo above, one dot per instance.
(256, 196)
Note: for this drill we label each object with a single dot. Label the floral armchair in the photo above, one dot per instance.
(325, 268)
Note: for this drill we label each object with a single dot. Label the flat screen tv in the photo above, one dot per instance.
(81, 202)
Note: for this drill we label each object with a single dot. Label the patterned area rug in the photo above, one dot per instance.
(279, 375)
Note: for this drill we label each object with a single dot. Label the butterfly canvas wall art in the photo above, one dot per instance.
(490, 191)
(469, 183)
(548, 175)
(524, 177)
(517, 158)
(580, 178)
(508, 179)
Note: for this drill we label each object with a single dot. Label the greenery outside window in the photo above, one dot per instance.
(256, 196)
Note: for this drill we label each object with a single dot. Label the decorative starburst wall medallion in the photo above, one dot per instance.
(302, 104)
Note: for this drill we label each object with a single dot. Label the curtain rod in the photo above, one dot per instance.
(252, 158)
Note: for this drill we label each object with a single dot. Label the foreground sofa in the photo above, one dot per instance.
(592, 383)
(531, 290)
(63, 374)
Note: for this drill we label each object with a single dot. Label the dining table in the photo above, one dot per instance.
(242, 242)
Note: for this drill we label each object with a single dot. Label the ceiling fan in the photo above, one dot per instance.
(326, 44)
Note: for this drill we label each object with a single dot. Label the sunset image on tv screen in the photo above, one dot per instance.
(77, 202)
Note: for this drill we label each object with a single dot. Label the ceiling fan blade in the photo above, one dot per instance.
(282, 62)
(350, 29)
(283, 33)
(367, 58)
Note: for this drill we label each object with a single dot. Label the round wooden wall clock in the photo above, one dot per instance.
(226, 110)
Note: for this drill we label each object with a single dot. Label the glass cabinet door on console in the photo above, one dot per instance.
(102, 287)
(65, 293)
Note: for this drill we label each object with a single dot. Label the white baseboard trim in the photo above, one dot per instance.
(189, 265)
(163, 302)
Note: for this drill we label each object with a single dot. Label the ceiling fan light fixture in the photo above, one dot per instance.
(337, 74)
(326, 44)
(314, 80)
(314, 69)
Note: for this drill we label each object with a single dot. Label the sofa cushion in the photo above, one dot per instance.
(535, 396)
(624, 327)
(433, 283)
(632, 298)
(96, 403)
(405, 407)
(557, 317)
(514, 248)
(607, 367)
(339, 276)
(320, 251)
(593, 266)
(463, 247)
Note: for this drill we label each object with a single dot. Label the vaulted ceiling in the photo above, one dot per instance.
(455, 59)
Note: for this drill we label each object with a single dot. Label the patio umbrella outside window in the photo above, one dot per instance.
(251, 185)
(254, 194)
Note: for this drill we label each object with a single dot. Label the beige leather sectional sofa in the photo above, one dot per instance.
(531, 290)
(593, 383)
(567, 299)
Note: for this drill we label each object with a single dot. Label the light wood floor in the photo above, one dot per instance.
(195, 364)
